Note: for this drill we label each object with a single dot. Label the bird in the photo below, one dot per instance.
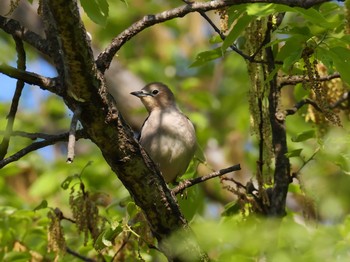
(167, 135)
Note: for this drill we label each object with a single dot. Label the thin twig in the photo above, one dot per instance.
(21, 65)
(291, 111)
(305, 162)
(338, 103)
(77, 255)
(125, 241)
(191, 182)
(238, 184)
(72, 138)
(40, 144)
(223, 37)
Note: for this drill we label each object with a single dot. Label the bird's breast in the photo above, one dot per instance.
(169, 138)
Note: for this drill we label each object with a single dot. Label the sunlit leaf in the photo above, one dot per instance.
(97, 10)
(237, 29)
(206, 56)
(261, 9)
(341, 59)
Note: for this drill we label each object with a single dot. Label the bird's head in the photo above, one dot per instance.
(156, 96)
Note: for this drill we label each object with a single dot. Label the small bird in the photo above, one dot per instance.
(167, 135)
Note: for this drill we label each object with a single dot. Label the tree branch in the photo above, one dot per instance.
(338, 103)
(105, 58)
(191, 182)
(77, 255)
(45, 83)
(32, 136)
(21, 64)
(13, 27)
(50, 140)
(72, 134)
(293, 80)
(277, 198)
(281, 115)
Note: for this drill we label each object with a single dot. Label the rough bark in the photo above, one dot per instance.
(282, 178)
(84, 86)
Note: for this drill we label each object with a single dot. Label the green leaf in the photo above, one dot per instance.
(106, 238)
(315, 17)
(125, 2)
(237, 29)
(18, 256)
(132, 209)
(206, 56)
(311, 15)
(341, 59)
(261, 9)
(272, 74)
(294, 153)
(65, 184)
(42, 205)
(215, 39)
(300, 92)
(304, 136)
(97, 10)
(192, 203)
(294, 188)
(110, 234)
(231, 208)
(291, 51)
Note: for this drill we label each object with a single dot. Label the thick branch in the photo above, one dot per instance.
(45, 83)
(279, 141)
(100, 118)
(105, 58)
(191, 182)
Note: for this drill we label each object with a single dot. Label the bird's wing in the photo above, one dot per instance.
(139, 134)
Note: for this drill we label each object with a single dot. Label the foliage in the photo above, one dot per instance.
(222, 83)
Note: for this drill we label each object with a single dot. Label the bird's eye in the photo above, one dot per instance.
(155, 91)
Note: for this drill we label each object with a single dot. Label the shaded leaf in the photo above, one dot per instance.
(42, 205)
(304, 136)
(294, 153)
(231, 208)
(65, 184)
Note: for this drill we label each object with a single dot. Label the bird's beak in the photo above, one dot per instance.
(140, 93)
